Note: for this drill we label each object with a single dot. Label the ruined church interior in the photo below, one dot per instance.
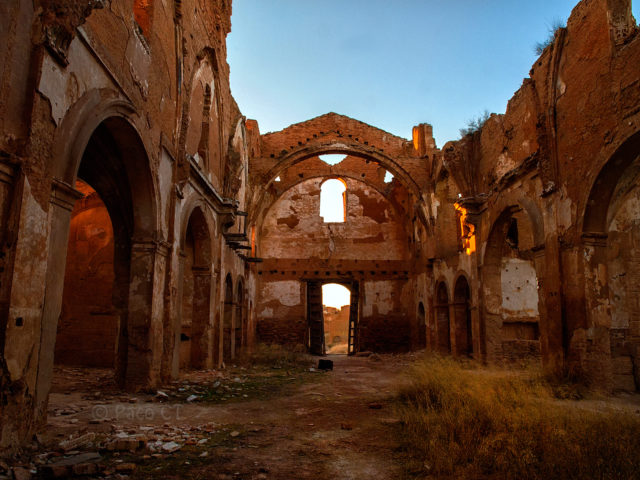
(150, 232)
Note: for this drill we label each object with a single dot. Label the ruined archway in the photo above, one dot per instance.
(371, 246)
(611, 228)
(112, 161)
(196, 329)
(511, 270)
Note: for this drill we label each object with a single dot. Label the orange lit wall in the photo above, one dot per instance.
(87, 329)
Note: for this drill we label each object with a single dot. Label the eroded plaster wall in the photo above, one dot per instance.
(297, 245)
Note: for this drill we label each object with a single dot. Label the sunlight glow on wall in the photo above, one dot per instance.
(468, 236)
(333, 207)
(335, 295)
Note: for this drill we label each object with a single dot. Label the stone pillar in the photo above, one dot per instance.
(200, 320)
(63, 198)
(144, 319)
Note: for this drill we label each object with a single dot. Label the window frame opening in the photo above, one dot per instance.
(326, 206)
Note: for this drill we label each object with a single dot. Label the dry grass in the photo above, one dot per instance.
(460, 421)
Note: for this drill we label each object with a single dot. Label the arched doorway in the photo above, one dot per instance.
(113, 160)
(336, 303)
(611, 231)
(228, 334)
(196, 330)
(443, 326)
(510, 277)
(462, 315)
(422, 327)
(240, 318)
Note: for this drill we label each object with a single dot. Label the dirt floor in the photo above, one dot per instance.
(241, 423)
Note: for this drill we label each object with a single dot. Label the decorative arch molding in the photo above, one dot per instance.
(237, 162)
(506, 207)
(72, 137)
(196, 202)
(195, 130)
(261, 212)
(353, 149)
(605, 189)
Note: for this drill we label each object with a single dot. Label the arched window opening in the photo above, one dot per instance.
(142, 13)
(196, 287)
(336, 300)
(333, 205)
(332, 158)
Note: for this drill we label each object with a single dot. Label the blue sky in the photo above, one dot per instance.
(392, 64)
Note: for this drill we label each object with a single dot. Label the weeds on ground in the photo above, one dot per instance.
(460, 421)
(268, 371)
(276, 356)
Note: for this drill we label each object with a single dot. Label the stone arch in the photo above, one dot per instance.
(266, 207)
(83, 118)
(611, 225)
(303, 154)
(442, 317)
(92, 142)
(512, 268)
(201, 132)
(228, 321)
(393, 223)
(104, 149)
(462, 316)
(197, 339)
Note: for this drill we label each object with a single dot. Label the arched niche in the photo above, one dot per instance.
(512, 267)
(611, 233)
(196, 326)
(108, 154)
(201, 136)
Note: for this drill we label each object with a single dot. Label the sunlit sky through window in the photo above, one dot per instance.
(335, 295)
(332, 201)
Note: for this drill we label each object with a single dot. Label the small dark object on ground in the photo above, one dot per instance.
(324, 364)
